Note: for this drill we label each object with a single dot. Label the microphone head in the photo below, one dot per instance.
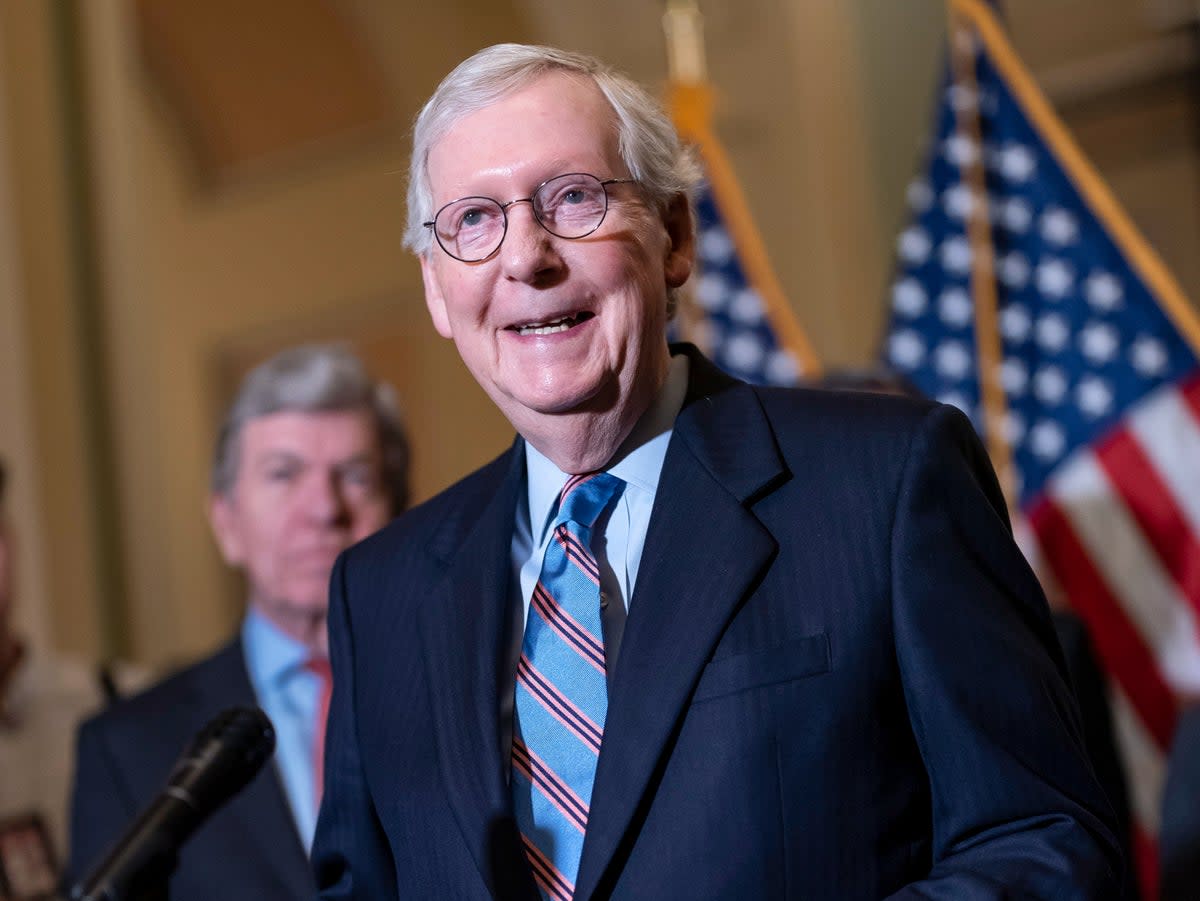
(222, 759)
(218, 763)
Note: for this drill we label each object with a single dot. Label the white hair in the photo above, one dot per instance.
(310, 379)
(647, 141)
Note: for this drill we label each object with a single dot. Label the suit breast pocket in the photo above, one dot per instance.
(787, 662)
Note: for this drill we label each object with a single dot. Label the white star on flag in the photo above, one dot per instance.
(1095, 396)
(908, 297)
(955, 307)
(1099, 342)
(961, 151)
(1148, 356)
(915, 245)
(1053, 333)
(1103, 291)
(1050, 385)
(1013, 270)
(1015, 323)
(1017, 163)
(1059, 226)
(1055, 278)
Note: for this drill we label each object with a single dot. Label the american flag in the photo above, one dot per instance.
(1101, 383)
(734, 308)
(733, 325)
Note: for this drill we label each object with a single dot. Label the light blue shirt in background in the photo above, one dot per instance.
(289, 694)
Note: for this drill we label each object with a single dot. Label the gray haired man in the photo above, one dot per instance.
(311, 458)
(687, 638)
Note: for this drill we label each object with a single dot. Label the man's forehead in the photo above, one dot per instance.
(304, 433)
(557, 120)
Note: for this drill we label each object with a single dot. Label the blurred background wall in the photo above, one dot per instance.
(188, 185)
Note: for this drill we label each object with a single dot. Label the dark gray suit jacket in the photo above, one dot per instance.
(248, 850)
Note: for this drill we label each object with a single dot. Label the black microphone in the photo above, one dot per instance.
(220, 761)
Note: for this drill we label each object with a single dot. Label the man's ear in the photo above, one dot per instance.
(681, 241)
(434, 299)
(226, 529)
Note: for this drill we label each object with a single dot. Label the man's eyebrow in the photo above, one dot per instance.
(284, 455)
(279, 455)
(360, 457)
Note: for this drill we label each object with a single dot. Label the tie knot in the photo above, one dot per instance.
(585, 496)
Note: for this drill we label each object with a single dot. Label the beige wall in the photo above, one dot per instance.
(56, 478)
(17, 444)
(1127, 89)
(194, 276)
(823, 108)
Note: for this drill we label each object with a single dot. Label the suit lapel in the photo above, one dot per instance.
(260, 824)
(465, 627)
(703, 552)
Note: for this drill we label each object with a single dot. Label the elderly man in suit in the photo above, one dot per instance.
(687, 638)
(311, 457)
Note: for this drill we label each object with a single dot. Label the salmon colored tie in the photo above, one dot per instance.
(320, 667)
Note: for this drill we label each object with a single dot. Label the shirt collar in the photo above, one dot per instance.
(637, 462)
(271, 654)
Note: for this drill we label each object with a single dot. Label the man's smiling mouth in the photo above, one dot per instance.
(552, 326)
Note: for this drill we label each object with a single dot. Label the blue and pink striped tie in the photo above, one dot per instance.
(562, 693)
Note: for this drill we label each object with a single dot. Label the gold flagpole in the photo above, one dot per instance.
(691, 106)
(988, 345)
(1096, 194)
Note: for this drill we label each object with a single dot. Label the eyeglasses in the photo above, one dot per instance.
(471, 229)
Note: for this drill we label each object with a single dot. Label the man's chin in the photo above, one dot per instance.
(300, 613)
(593, 396)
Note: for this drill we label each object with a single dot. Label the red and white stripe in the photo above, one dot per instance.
(1118, 526)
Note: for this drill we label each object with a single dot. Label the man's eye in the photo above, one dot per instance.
(362, 477)
(576, 195)
(280, 475)
(475, 218)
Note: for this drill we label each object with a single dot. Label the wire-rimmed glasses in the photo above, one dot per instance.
(574, 205)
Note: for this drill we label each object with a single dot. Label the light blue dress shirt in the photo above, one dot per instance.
(618, 537)
(289, 694)
(620, 534)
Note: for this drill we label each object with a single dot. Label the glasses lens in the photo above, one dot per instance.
(571, 206)
(470, 229)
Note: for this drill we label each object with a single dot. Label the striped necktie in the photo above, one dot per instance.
(562, 694)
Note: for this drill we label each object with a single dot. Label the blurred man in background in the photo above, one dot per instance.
(311, 458)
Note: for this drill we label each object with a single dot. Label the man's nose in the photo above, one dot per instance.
(528, 253)
(323, 499)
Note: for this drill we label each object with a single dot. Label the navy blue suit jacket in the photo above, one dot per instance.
(838, 680)
(249, 850)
